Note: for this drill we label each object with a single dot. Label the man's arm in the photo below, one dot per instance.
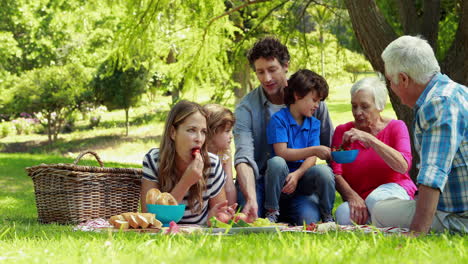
(246, 179)
(426, 207)
(245, 165)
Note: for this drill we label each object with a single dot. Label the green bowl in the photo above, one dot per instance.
(167, 213)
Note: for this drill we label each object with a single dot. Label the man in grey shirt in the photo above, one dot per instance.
(270, 60)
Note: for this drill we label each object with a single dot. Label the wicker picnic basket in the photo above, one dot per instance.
(71, 193)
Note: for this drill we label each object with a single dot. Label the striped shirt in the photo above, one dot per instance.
(215, 183)
(440, 134)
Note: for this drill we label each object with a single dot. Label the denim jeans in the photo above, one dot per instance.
(383, 192)
(301, 206)
(295, 209)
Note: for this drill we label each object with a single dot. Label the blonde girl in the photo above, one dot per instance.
(220, 123)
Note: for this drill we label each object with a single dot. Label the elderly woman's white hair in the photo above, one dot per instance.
(376, 87)
(410, 55)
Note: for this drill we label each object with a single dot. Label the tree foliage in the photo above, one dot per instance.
(50, 92)
(118, 88)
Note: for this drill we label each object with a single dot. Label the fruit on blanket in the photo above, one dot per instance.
(311, 227)
(152, 196)
(215, 223)
(240, 216)
(325, 227)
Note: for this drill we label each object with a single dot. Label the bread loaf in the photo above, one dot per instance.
(152, 196)
(166, 199)
(135, 220)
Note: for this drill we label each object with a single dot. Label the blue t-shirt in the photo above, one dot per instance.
(282, 128)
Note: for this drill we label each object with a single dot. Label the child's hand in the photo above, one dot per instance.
(194, 171)
(322, 152)
(291, 183)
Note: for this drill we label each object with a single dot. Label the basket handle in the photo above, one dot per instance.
(89, 152)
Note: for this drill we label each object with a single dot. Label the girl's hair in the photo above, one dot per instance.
(168, 177)
(376, 87)
(219, 117)
(303, 82)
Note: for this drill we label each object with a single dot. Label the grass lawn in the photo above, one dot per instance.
(23, 240)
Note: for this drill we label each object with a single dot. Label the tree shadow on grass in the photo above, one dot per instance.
(62, 146)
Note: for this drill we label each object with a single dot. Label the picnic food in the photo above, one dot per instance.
(152, 196)
(322, 228)
(240, 216)
(135, 220)
(195, 151)
(342, 147)
(155, 196)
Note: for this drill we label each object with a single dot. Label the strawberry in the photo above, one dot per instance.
(195, 151)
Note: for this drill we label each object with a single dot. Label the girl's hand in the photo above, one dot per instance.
(194, 171)
(222, 208)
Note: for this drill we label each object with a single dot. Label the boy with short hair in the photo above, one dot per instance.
(294, 135)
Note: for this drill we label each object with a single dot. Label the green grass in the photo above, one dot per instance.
(24, 240)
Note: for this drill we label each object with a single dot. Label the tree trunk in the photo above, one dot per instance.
(242, 76)
(49, 130)
(374, 34)
(126, 121)
(455, 63)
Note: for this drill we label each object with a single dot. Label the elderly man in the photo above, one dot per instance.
(270, 60)
(440, 136)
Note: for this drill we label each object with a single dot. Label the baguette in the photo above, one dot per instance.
(135, 220)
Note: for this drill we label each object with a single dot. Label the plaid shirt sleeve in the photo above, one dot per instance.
(438, 134)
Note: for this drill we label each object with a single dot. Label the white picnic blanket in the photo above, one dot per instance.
(99, 224)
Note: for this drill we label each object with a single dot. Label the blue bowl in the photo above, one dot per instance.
(167, 213)
(346, 156)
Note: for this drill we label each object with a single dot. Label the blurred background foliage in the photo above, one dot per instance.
(59, 58)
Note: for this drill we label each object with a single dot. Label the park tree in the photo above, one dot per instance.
(52, 94)
(120, 88)
(444, 23)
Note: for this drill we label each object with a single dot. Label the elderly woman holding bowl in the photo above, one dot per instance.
(380, 170)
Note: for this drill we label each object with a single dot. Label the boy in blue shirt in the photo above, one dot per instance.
(295, 136)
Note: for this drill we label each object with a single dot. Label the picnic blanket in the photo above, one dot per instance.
(99, 224)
